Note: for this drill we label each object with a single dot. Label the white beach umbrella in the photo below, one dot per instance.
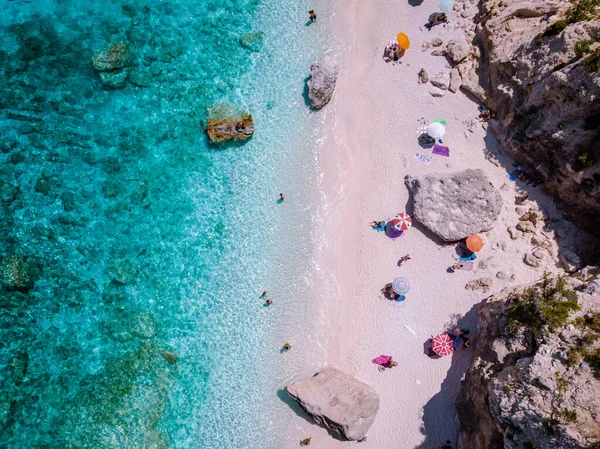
(446, 5)
(436, 130)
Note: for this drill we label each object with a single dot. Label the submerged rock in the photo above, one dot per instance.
(225, 123)
(16, 274)
(253, 41)
(456, 205)
(113, 63)
(323, 76)
(338, 402)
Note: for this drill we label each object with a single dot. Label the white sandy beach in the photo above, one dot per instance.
(371, 143)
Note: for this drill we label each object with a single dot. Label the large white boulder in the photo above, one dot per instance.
(323, 75)
(338, 402)
(455, 205)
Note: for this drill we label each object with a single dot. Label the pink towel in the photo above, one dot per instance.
(382, 360)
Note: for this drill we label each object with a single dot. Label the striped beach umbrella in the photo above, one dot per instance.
(402, 222)
(442, 345)
(401, 286)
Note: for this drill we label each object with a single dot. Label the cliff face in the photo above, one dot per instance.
(547, 98)
(525, 389)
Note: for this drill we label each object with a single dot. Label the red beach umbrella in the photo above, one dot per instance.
(402, 221)
(442, 345)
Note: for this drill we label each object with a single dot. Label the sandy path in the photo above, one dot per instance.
(376, 113)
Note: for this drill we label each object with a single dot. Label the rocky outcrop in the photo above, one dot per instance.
(113, 64)
(537, 73)
(525, 387)
(253, 41)
(454, 206)
(338, 402)
(323, 76)
(226, 123)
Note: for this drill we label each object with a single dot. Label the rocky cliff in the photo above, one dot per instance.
(539, 70)
(534, 378)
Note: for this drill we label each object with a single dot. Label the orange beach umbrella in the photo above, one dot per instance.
(403, 41)
(474, 243)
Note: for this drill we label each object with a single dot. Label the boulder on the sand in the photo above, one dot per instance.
(455, 81)
(457, 50)
(338, 402)
(323, 75)
(423, 76)
(455, 205)
(437, 92)
(225, 123)
(113, 63)
(253, 41)
(440, 80)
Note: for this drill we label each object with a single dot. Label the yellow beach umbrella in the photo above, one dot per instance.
(403, 41)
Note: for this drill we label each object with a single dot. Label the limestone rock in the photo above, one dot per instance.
(437, 92)
(123, 271)
(538, 239)
(437, 41)
(505, 276)
(545, 98)
(511, 393)
(113, 64)
(439, 52)
(323, 76)
(482, 284)
(441, 80)
(531, 260)
(514, 233)
(338, 402)
(425, 46)
(423, 76)
(458, 50)
(525, 226)
(455, 205)
(569, 260)
(226, 123)
(455, 81)
(253, 41)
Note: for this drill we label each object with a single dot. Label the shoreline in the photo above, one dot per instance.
(370, 146)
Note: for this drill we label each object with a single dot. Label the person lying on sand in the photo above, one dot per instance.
(404, 258)
(436, 19)
(457, 266)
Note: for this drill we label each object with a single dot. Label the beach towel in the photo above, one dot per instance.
(441, 150)
(382, 360)
(467, 266)
(470, 257)
(439, 120)
(422, 130)
(396, 303)
(426, 159)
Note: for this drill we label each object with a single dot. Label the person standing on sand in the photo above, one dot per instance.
(312, 16)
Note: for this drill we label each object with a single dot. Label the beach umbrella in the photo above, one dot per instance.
(402, 221)
(446, 5)
(474, 243)
(391, 231)
(403, 41)
(401, 286)
(436, 130)
(442, 345)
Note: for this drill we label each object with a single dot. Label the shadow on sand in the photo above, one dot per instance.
(440, 407)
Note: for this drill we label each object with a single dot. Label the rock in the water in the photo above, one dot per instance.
(456, 205)
(113, 64)
(225, 123)
(423, 76)
(253, 41)
(338, 402)
(123, 271)
(323, 75)
(457, 50)
(441, 80)
(437, 92)
(16, 274)
(455, 81)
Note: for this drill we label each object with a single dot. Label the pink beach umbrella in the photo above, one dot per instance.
(402, 221)
(442, 345)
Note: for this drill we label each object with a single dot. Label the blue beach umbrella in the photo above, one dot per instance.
(401, 286)
(446, 5)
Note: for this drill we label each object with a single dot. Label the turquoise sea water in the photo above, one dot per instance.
(132, 254)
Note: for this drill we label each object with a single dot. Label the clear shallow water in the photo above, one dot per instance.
(128, 243)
